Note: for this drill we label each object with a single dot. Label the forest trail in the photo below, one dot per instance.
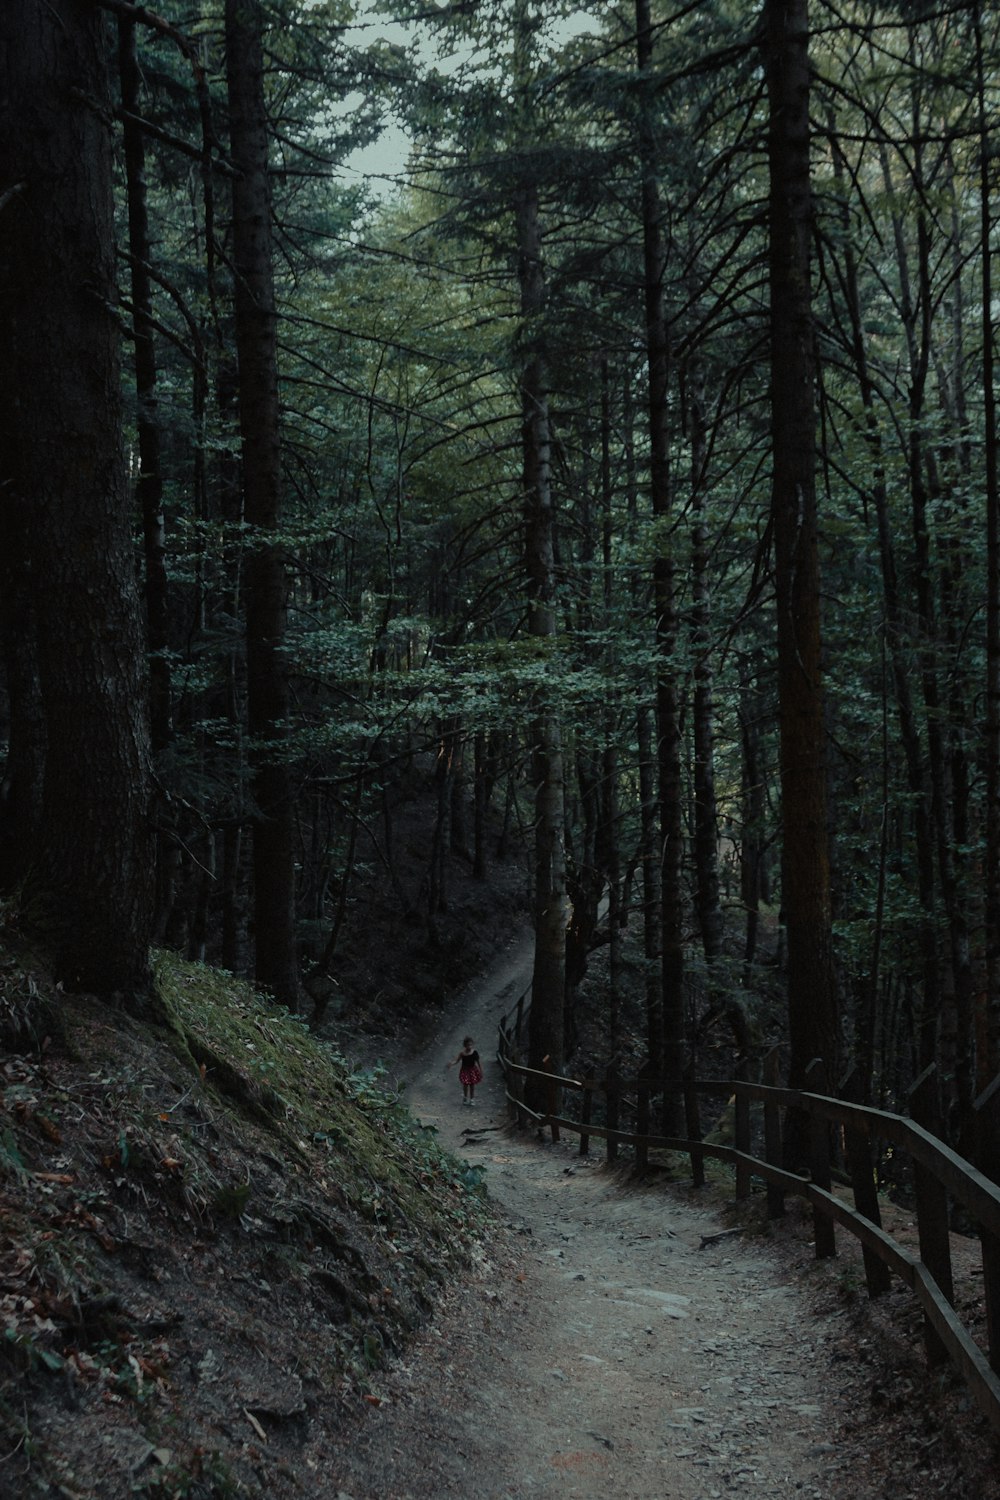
(612, 1344)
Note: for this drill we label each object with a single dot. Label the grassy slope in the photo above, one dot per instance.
(212, 1233)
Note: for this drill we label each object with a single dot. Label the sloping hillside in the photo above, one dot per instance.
(213, 1233)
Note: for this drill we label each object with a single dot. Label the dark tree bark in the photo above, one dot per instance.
(667, 707)
(88, 888)
(548, 981)
(989, 1063)
(149, 484)
(24, 767)
(753, 807)
(652, 906)
(706, 830)
(609, 830)
(266, 583)
(721, 1001)
(481, 789)
(812, 1006)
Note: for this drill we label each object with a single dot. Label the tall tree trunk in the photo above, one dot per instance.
(752, 808)
(149, 485)
(652, 905)
(548, 982)
(609, 833)
(722, 1002)
(481, 788)
(989, 1064)
(667, 708)
(24, 764)
(88, 890)
(706, 833)
(266, 584)
(812, 1007)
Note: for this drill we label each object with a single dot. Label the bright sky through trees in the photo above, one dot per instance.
(383, 162)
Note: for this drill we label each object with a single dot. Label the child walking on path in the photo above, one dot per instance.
(469, 1071)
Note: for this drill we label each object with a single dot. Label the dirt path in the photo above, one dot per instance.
(612, 1344)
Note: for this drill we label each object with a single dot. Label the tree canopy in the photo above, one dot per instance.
(628, 468)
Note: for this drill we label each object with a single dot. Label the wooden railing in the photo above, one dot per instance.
(831, 1127)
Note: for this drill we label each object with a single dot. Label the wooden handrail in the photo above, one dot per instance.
(949, 1175)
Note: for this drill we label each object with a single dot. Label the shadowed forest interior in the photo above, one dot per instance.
(616, 485)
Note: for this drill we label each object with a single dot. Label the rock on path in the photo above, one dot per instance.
(602, 1348)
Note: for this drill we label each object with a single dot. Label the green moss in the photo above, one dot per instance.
(264, 1061)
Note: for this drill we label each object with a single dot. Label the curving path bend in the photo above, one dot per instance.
(609, 1344)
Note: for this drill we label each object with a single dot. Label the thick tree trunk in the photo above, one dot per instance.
(24, 765)
(548, 982)
(667, 707)
(812, 1007)
(149, 484)
(88, 890)
(266, 584)
(989, 1061)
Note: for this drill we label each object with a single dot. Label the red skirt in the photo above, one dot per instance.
(469, 1077)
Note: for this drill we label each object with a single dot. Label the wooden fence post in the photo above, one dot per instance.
(932, 1206)
(859, 1161)
(612, 1089)
(551, 1097)
(586, 1110)
(692, 1124)
(819, 1162)
(772, 1135)
(986, 1127)
(741, 1136)
(642, 1117)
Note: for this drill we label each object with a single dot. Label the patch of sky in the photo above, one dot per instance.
(382, 164)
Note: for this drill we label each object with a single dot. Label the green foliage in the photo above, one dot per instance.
(401, 341)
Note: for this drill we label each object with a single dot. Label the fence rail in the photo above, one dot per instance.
(829, 1127)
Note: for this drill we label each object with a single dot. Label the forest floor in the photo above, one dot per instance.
(634, 1339)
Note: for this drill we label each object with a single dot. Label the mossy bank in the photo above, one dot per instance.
(214, 1234)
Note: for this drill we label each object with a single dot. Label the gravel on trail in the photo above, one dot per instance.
(614, 1340)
